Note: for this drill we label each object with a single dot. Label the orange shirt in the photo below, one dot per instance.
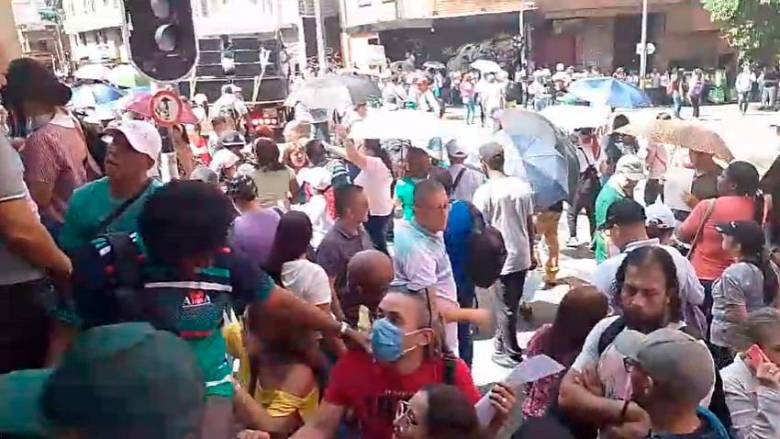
(709, 259)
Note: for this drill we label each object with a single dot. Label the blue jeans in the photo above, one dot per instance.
(466, 299)
(471, 110)
(376, 227)
(677, 103)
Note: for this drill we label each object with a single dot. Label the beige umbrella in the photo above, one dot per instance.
(690, 135)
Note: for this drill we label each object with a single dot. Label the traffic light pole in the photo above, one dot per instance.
(318, 26)
(643, 54)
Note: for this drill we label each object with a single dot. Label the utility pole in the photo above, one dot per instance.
(522, 34)
(643, 54)
(323, 63)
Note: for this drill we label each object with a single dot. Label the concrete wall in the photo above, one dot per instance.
(363, 12)
(449, 8)
(89, 15)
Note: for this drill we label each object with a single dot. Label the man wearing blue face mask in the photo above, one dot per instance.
(408, 355)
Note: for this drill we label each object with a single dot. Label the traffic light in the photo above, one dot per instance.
(161, 37)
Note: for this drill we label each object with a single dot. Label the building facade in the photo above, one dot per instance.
(428, 29)
(605, 33)
(39, 33)
(601, 33)
(94, 29)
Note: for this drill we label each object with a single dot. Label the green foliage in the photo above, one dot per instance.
(751, 26)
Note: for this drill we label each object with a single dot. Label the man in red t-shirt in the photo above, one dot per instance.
(406, 358)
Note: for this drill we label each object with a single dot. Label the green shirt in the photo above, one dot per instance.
(404, 192)
(608, 195)
(90, 205)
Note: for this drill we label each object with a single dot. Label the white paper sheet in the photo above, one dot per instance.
(678, 181)
(530, 370)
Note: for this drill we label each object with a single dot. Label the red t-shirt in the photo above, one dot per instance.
(372, 389)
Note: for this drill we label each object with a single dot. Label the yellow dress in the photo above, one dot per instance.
(277, 403)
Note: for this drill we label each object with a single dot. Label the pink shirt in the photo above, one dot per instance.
(709, 259)
(467, 89)
(55, 154)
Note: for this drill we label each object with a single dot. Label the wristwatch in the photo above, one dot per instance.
(344, 328)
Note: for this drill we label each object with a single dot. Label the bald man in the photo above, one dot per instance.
(369, 274)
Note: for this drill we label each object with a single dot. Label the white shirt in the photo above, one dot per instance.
(691, 290)
(376, 179)
(755, 409)
(307, 280)
(468, 184)
(317, 211)
(506, 203)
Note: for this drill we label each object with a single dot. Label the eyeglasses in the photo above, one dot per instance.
(629, 364)
(404, 417)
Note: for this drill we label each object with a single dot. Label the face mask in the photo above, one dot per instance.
(387, 341)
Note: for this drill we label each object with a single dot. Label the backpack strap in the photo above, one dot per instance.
(457, 178)
(128, 273)
(609, 334)
(478, 221)
(449, 369)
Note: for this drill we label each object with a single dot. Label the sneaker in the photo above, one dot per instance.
(505, 360)
(572, 242)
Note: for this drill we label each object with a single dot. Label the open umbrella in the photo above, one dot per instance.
(125, 75)
(91, 95)
(140, 103)
(434, 65)
(685, 134)
(572, 117)
(486, 66)
(96, 72)
(417, 126)
(610, 92)
(335, 92)
(537, 151)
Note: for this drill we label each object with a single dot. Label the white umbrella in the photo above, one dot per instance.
(572, 117)
(418, 126)
(486, 66)
(97, 72)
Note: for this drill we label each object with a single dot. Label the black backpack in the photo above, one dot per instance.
(486, 249)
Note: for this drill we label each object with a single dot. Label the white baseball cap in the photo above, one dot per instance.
(142, 136)
(455, 148)
(660, 215)
(224, 158)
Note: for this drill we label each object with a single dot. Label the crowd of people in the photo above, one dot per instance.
(311, 289)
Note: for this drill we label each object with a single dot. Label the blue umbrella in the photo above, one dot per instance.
(90, 95)
(610, 92)
(536, 151)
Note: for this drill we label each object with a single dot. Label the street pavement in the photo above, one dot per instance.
(749, 137)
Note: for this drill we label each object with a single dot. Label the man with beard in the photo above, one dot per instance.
(595, 388)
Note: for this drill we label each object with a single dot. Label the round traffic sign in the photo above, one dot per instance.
(165, 108)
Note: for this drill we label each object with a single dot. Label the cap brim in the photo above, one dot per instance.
(635, 176)
(20, 395)
(724, 228)
(111, 131)
(605, 226)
